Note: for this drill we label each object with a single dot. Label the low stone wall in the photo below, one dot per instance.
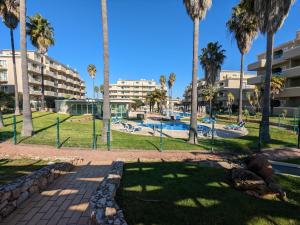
(105, 210)
(15, 193)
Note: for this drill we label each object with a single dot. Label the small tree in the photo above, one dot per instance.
(137, 104)
(277, 85)
(209, 92)
(230, 101)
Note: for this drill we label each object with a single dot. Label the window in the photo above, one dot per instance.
(3, 63)
(3, 76)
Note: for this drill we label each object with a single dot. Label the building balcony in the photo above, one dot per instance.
(62, 86)
(3, 67)
(60, 77)
(292, 53)
(291, 72)
(34, 69)
(257, 65)
(48, 83)
(35, 92)
(34, 81)
(290, 92)
(256, 80)
(50, 93)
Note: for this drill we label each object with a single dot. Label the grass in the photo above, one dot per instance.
(79, 134)
(178, 193)
(10, 169)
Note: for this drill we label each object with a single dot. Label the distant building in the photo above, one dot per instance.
(60, 81)
(228, 81)
(286, 63)
(132, 89)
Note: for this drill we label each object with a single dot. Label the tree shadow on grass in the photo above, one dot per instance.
(181, 194)
(33, 117)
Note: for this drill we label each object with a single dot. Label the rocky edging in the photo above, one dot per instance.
(15, 193)
(104, 209)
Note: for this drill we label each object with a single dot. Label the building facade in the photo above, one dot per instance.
(228, 81)
(60, 81)
(286, 63)
(132, 89)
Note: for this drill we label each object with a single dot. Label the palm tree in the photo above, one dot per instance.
(244, 27)
(196, 9)
(171, 82)
(277, 85)
(106, 105)
(101, 89)
(11, 14)
(271, 15)
(209, 92)
(97, 91)
(92, 72)
(41, 34)
(27, 129)
(211, 60)
(230, 101)
(162, 81)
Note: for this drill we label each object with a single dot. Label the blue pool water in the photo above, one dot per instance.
(173, 126)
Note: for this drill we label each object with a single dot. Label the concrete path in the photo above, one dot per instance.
(64, 202)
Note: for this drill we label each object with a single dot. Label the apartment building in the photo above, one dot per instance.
(228, 81)
(132, 89)
(286, 63)
(60, 81)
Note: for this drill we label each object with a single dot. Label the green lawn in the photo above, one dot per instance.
(79, 134)
(11, 169)
(182, 194)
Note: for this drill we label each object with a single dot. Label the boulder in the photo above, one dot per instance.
(246, 180)
(260, 165)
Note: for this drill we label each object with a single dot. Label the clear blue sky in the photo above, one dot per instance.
(146, 38)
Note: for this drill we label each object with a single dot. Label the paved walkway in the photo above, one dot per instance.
(66, 201)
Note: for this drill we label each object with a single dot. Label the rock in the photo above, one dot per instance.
(246, 180)
(22, 197)
(260, 165)
(3, 204)
(16, 193)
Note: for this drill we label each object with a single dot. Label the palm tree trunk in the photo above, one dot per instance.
(240, 116)
(1, 119)
(210, 108)
(106, 105)
(193, 135)
(17, 104)
(27, 129)
(265, 129)
(43, 84)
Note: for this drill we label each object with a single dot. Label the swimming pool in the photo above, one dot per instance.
(174, 126)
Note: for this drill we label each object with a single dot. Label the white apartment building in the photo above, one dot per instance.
(228, 81)
(60, 81)
(286, 63)
(132, 89)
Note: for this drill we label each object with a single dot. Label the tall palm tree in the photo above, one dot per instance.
(209, 92)
(196, 9)
(11, 14)
(92, 72)
(106, 105)
(271, 15)
(244, 27)
(171, 81)
(97, 91)
(27, 129)
(162, 81)
(41, 34)
(211, 60)
(101, 89)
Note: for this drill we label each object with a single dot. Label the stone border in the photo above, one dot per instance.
(104, 209)
(15, 193)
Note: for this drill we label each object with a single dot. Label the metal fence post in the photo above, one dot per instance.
(299, 134)
(108, 136)
(15, 129)
(212, 135)
(57, 133)
(94, 133)
(160, 138)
